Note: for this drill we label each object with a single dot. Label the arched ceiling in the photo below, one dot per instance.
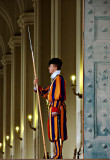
(10, 11)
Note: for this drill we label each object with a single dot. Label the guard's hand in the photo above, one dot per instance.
(35, 81)
(54, 114)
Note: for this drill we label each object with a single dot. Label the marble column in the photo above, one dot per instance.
(25, 20)
(14, 44)
(79, 82)
(6, 62)
(1, 108)
(37, 56)
(56, 28)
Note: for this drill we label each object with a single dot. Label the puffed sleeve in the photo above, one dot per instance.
(43, 91)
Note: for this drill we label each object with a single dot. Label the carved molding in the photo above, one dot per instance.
(6, 59)
(26, 19)
(14, 41)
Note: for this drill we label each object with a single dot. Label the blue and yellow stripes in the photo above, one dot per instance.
(57, 89)
(58, 150)
(56, 95)
(53, 123)
(43, 91)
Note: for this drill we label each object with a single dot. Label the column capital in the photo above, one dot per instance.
(26, 19)
(1, 72)
(14, 41)
(6, 59)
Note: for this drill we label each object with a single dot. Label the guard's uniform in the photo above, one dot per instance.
(56, 95)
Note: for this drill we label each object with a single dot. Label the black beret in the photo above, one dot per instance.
(56, 61)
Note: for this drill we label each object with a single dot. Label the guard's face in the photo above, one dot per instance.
(52, 68)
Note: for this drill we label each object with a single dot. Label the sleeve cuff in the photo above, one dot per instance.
(55, 109)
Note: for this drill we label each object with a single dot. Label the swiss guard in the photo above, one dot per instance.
(55, 93)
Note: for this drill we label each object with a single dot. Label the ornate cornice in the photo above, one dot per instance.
(14, 41)
(6, 59)
(26, 19)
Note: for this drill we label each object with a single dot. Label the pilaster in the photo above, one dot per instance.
(56, 28)
(26, 20)
(6, 62)
(14, 44)
(1, 107)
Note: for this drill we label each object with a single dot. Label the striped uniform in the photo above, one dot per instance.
(56, 95)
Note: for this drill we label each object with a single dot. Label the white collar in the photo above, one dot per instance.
(55, 74)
